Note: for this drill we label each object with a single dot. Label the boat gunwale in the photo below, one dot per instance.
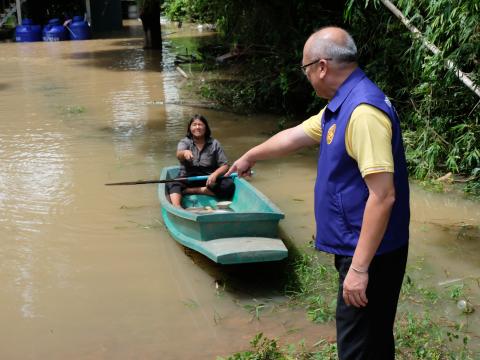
(276, 213)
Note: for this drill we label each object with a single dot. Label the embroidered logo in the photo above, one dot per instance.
(387, 101)
(331, 133)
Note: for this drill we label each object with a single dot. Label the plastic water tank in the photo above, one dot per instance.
(28, 32)
(54, 31)
(132, 12)
(79, 29)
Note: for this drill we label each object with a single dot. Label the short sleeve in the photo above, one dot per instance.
(183, 144)
(368, 140)
(312, 126)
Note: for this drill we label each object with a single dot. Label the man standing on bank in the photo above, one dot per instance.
(361, 192)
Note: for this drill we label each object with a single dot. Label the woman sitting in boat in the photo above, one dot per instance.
(200, 154)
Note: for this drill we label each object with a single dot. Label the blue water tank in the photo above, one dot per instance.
(79, 29)
(54, 31)
(28, 32)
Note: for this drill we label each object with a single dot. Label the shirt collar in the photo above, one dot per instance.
(345, 89)
(207, 141)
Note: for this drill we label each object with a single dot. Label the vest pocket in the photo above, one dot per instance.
(343, 218)
(352, 207)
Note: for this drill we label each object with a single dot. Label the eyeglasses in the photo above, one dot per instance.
(304, 67)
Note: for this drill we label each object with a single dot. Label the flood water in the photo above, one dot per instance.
(89, 272)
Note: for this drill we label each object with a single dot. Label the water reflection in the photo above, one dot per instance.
(34, 187)
(120, 59)
(129, 116)
(121, 55)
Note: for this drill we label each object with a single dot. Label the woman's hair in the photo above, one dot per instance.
(208, 132)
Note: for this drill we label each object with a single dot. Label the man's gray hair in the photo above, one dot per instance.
(341, 53)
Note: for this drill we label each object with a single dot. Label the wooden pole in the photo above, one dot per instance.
(89, 12)
(19, 11)
(417, 34)
(183, 73)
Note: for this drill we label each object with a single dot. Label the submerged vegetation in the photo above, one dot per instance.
(264, 348)
(440, 115)
(315, 287)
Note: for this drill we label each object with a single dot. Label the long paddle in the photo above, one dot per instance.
(182, 179)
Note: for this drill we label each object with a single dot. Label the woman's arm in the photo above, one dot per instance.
(212, 178)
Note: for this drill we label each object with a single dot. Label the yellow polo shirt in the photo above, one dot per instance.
(368, 138)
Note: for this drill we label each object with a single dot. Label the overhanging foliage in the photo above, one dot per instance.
(440, 115)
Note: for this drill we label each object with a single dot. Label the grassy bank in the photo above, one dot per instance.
(422, 331)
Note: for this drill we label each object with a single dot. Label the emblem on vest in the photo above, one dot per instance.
(387, 101)
(331, 133)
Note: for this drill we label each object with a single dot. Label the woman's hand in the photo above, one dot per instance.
(212, 179)
(187, 155)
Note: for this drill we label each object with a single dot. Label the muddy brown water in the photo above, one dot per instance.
(88, 271)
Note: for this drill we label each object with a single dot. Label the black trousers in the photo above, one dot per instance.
(367, 333)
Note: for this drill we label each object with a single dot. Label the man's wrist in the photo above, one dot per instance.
(359, 270)
(251, 155)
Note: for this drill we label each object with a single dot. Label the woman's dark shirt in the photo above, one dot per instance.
(204, 162)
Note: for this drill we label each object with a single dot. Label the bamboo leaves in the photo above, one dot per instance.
(440, 116)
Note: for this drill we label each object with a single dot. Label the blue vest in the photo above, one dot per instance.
(340, 191)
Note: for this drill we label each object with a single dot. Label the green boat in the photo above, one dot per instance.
(246, 232)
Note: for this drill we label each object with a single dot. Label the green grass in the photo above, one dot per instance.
(421, 331)
(263, 348)
(314, 286)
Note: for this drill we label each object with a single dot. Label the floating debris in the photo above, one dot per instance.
(465, 306)
(73, 109)
(448, 282)
(463, 229)
(155, 102)
(180, 70)
(224, 204)
(190, 303)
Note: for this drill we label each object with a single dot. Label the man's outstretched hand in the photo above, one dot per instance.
(242, 167)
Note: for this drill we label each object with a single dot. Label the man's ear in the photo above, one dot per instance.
(322, 68)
